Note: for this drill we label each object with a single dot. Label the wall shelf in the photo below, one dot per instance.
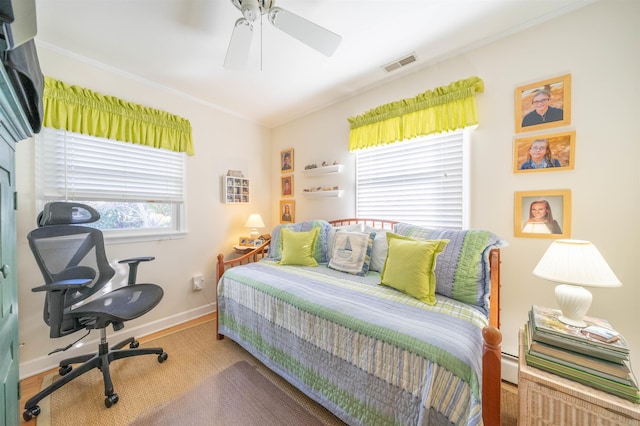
(336, 168)
(334, 193)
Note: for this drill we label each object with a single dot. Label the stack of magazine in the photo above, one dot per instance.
(595, 355)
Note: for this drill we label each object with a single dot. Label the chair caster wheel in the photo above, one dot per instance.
(163, 357)
(65, 370)
(134, 344)
(110, 400)
(30, 413)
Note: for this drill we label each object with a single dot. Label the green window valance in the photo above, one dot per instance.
(443, 109)
(83, 111)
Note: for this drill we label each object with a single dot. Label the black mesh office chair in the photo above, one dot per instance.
(75, 268)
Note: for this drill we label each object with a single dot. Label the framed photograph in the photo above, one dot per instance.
(286, 160)
(286, 186)
(543, 104)
(287, 211)
(544, 153)
(243, 241)
(543, 214)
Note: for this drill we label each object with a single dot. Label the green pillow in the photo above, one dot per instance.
(298, 247)
(410, 266)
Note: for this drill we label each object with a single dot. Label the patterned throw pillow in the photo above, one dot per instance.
(352, 252)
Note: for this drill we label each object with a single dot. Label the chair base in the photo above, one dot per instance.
(100, 360)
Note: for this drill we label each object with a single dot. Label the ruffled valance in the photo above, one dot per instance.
(443, 109)
(83, 111)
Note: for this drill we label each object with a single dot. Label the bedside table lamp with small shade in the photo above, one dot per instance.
(575, 264)
(254, 222)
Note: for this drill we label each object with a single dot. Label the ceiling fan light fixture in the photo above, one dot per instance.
(251, 10)
(309, 33)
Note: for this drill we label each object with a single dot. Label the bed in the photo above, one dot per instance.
(367, 352)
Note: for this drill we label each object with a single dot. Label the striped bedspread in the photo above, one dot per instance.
(369, 354)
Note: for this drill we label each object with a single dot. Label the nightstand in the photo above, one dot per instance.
(243, 249)
(547, 399)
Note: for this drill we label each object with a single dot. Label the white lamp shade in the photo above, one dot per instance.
(254, 221)
(576, 262)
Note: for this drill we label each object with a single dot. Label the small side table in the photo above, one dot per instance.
(547, 399)
(243, 249)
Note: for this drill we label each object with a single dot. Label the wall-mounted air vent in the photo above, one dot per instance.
(400, 63)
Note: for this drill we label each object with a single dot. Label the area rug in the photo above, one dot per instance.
(143, 384)
(239, 395)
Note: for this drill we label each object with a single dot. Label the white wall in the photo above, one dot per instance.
(220, 141)
(605, 69)
(605, 184)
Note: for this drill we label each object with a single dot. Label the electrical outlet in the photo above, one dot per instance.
(198, 282)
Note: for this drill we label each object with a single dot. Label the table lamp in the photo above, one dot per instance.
(575, 264)
(254, 222)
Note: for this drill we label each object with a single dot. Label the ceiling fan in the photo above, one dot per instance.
(313, 35)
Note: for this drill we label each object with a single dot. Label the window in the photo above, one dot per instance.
(421, 181)
(138, 190)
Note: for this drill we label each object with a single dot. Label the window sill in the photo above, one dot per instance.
(122, 238)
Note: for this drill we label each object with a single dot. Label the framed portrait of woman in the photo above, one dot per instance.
(287, 211)
(286, 186)
(543, 104)
(542, 214)
(544, 153)
(286, 160)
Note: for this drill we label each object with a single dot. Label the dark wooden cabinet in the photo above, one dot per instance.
(13, 128)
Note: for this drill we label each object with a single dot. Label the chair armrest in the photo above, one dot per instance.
(133, 263)
(63, 285)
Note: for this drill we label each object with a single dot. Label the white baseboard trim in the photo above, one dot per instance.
(509, 368)
(44, 363)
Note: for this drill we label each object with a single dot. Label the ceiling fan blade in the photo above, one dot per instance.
(239, 45)
(313, 35)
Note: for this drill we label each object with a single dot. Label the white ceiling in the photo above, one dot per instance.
(181, 44)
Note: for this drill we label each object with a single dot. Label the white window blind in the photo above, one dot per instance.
(419, 181)
(72, 166)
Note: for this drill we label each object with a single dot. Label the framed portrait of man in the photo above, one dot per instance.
(286, 160)
(543, 104)
(542, 214)
(544, 153)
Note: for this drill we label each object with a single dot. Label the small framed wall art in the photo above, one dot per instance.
(543, 104)
(286, 160)
(287, 211)
(544, 153)
(286, 186)
(542, 214)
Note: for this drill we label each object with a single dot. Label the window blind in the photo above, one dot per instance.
(419, 181)
(81, 167)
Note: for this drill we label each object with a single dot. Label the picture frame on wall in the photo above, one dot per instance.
(542, 214)
(543, 104)
(287, 211)
(286, 186)
(286, 160)
(544, 153)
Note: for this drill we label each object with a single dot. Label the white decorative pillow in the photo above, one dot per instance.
(331, 235)
(352, 252)
(379, 250)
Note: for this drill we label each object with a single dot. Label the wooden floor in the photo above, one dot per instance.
(32, 385)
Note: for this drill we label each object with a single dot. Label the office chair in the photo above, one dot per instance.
(76, 272)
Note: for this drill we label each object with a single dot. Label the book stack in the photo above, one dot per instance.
(595, 355)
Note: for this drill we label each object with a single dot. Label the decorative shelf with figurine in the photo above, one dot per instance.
(235, 187)
(313, 170)
(324, 193)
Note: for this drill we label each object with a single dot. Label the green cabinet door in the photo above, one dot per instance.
(9, 376)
